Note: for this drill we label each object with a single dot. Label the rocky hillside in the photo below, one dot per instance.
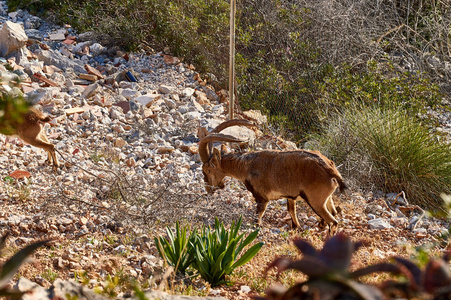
(125, 126)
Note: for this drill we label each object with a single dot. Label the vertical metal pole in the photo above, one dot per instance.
(232, 59)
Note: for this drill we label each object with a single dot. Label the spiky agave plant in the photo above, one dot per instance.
(328, 272)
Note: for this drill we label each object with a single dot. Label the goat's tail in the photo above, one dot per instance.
(341, 184)
(330, 167)
(335, 174)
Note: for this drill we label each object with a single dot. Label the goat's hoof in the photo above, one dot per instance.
(295, 227)
(322, 225)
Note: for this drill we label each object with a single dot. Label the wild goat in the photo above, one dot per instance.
(272, 174)
(30, 130)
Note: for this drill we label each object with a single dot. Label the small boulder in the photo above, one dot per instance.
(13, 42)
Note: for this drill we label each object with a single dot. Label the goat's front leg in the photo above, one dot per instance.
(261, 208)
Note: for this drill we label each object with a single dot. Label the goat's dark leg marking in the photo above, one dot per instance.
(262, 203)
(291, 206)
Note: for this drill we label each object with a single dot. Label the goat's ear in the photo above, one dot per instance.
(215, 160)
(224, 148)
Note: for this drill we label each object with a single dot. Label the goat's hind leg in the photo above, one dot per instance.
(50, 148)
(52, 153)
(334, 210)
(320, 207)
(291, 206)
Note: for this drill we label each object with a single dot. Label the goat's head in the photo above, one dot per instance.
(211, 168)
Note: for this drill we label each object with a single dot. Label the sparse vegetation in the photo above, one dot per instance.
(16, 189)
(49, 275)
(12, 103)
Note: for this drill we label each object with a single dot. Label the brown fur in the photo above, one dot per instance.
(30, 130)
(272, 174)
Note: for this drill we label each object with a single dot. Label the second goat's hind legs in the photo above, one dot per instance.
(52, 153)
(42, 142)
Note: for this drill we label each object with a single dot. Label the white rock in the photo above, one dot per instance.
(90, 90)
(379, 223)
(129, 93)
(13, 42)
(97, 49)
(166, 89)
(188, 92)
(147, 100)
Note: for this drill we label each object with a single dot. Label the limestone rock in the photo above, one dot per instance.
(52, 57)
(13, 41)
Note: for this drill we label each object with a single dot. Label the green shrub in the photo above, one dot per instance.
(177, 248)
(380, 86)
(217, 251)
(389, 150)
(12, 103)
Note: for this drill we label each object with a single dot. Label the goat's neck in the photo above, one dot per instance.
(234, 165)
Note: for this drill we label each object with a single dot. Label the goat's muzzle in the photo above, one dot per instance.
(211, 188)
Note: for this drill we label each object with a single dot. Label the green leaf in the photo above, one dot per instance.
(247, 256)
(217, 267)
(229, 256)
(247, 241)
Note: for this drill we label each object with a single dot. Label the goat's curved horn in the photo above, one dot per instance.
(204, 152)
(230, 123)
(227, 124)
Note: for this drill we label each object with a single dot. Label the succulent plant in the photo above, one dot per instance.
(213, 253)
(432, 282)
(218, 251)
(177, 248)
(328, 272)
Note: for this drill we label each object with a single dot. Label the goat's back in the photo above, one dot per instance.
(289, 172)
